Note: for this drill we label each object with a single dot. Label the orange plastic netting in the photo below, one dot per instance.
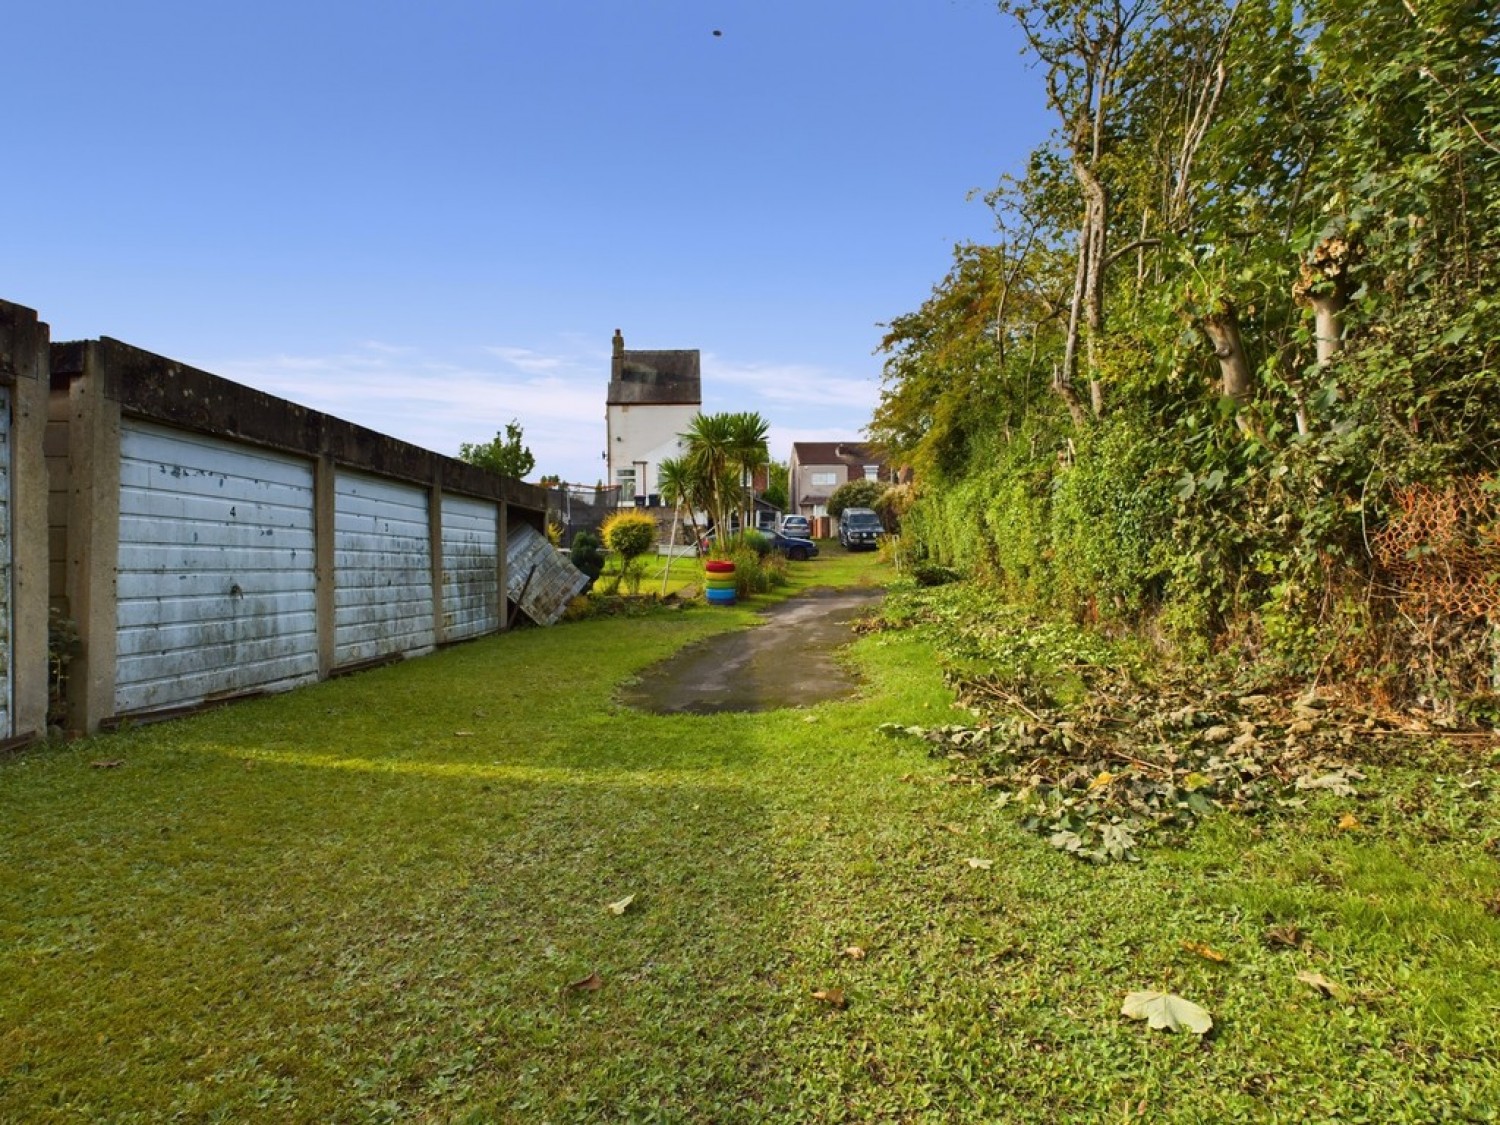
(1441, 548)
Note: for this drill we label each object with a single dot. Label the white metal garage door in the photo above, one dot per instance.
(7, 604)
(216, 593)
(471, 578)
(382, 569)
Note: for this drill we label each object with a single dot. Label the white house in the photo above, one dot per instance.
(653, 398)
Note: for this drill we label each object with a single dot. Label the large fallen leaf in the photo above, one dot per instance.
(854, 953)
(833, 997)
(591, 983)
(1163, 1010)
(621, 906)
(981, 864)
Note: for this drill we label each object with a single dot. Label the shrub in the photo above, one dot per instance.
(586, 555)
(630, 534)
(932, 574)
(855, 494)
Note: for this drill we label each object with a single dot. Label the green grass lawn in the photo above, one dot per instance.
(387, 898)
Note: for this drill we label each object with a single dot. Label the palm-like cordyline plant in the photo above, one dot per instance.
(683, 489)
(748, 454)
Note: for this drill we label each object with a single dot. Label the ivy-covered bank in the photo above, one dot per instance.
(1227, 375)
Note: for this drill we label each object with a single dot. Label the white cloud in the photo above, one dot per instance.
(439, 404)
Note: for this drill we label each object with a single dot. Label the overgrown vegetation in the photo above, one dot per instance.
(1240, 317)
(1103, 751)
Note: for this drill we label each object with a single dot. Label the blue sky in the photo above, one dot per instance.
(430, 218)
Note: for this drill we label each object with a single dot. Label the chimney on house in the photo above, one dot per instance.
(617, 361)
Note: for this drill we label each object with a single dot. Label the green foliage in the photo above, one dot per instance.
(503, 454)
(931, 574)
(629, 534)
(778, 478)
(1286, 173)
(855, 494)
(1111, 509)
(62, 648)
(586, 554)
(723, 453)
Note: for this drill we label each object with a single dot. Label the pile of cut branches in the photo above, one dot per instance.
(1128, 760)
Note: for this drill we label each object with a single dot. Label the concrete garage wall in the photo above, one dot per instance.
(23, 518)
(210, 541)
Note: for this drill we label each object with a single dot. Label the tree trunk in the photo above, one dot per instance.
(1223, 331)
(1092, 248)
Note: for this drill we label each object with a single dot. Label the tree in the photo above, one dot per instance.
(504, 454)
(855, 494)
(748, 454)
(778, 484)
(722, 450)
(684, 489)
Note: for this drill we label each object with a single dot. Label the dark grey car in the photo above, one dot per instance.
(860, 528)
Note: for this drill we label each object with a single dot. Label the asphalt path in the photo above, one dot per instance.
(792, 660)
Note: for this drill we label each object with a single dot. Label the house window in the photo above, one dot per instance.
(824, 480)
(625, 478)
(872, 472)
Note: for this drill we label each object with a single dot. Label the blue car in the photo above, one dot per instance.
(789, 545)
(792, 546)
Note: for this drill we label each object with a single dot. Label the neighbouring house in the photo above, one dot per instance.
(817, 469)
(653, 398)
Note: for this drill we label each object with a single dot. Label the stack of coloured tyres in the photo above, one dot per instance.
(718, 581)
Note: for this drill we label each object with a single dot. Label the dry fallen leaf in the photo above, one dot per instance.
(621, 906)
(833, 997)
(1207, 952)
(1289, 935)
(591, 983)
(463, 734)
(1348, 821)
(956, 829)
(854, 953)
(1323, 985)
(981, 864)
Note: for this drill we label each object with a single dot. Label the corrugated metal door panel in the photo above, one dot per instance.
(471, 560)
(540, 580)
(216, 589)
(382, 569)
(7, 603)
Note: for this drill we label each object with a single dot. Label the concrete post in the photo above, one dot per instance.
(93, 540)
(24, 367)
